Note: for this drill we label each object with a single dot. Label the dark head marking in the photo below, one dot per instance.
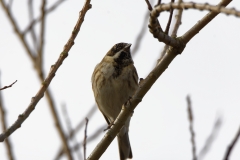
(123, 58)
(117, 47)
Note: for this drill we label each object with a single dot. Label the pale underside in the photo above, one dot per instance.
(111, 93)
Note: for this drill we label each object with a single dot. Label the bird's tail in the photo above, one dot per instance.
(124, 146)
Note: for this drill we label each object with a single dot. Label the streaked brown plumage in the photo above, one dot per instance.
(114, 81)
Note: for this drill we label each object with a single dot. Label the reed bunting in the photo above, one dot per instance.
(114, 81)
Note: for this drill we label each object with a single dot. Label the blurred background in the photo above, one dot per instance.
(208, 71)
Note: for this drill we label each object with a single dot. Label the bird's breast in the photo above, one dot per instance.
(111, 92)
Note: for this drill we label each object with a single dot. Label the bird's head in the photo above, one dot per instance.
(121, 54)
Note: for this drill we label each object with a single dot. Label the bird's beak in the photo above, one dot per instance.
(129, 45)
(127, 48)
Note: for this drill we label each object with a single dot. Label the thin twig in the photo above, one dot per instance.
(85, 139)
(232, 145)
(32, 30)
(82, 123)
(9, 5)
(177, 24)
(159, 2)
(69, 128)
(140, 35)
(190, 118)
(49, 10)
(40, 46)
(211, 138)
(156, 21)
(149, 5)
(76, 130)
(5, 87)
(169, 19)
(92, 137)
(18, 31)
(4, 128)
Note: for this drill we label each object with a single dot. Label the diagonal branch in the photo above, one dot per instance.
(140, 35)
(190, 118)
(10, 3)
(144, 87)
(211, 138)
(232, 145)
(139, 38)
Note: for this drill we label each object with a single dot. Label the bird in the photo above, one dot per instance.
(114, 81)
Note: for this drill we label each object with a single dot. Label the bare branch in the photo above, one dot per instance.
(90, 139)
(4, 128)
(41, 41)
(190, 118)
(85, 139)
(149, 5)
(22, 117)
(69, 127)
(39, 69)
(32, 31)
(17, 30)
(77, 129)
(169, 19)
(142, 32)
(10, 4)
(231, 146)
(158, 3)
(211, 138)
(5, 87)
(215, 10)
(82, 123)
(178, 22)
(49, 10)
